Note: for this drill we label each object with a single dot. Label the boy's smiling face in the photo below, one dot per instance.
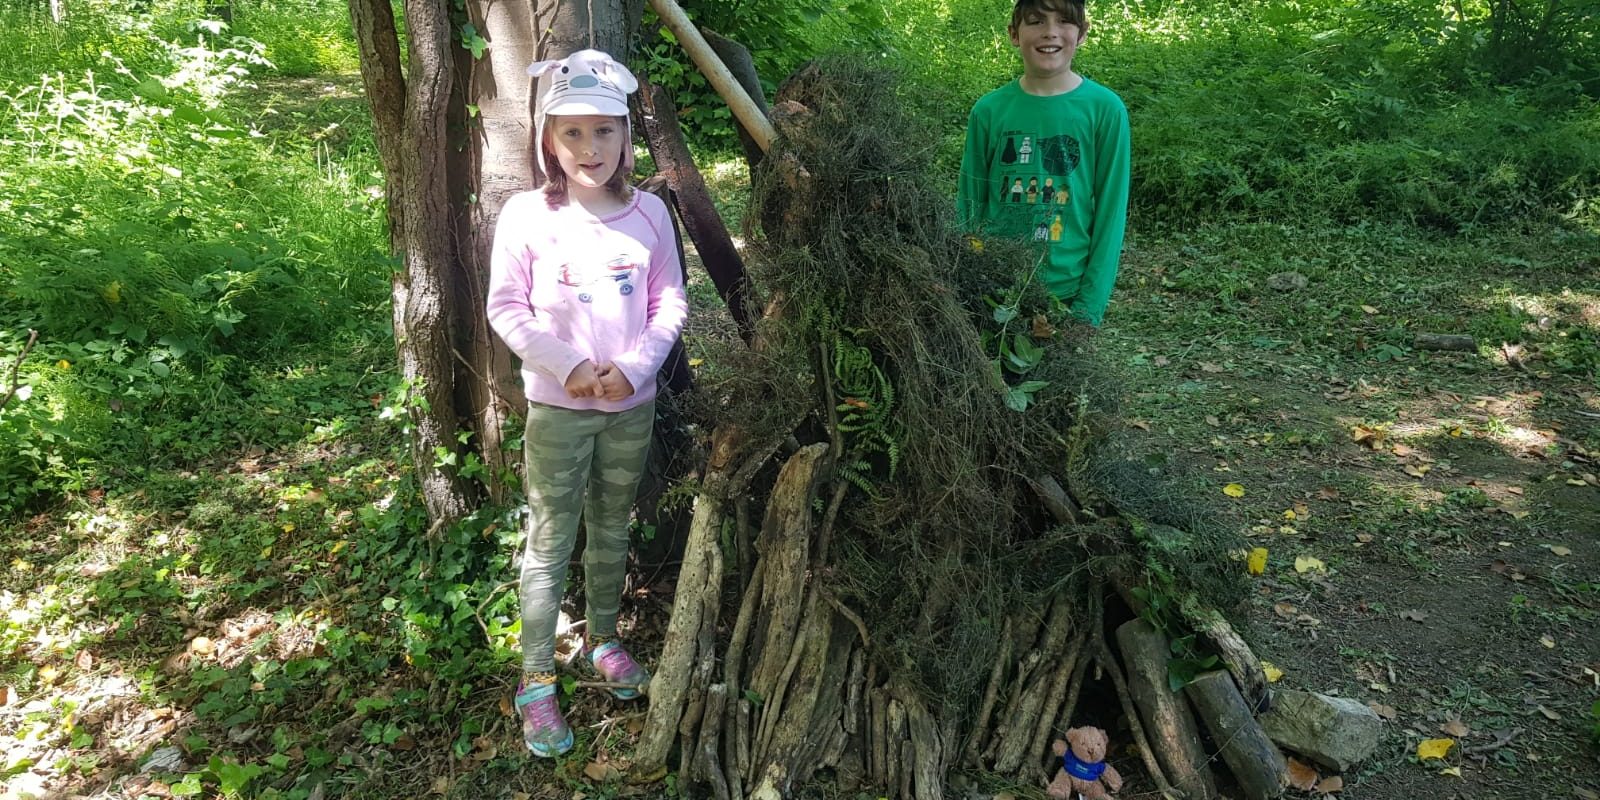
(1047, 40)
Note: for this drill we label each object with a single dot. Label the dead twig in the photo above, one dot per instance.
(11, 391)
(1504, 738)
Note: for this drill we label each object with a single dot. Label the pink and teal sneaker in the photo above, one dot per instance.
(543, 728)
(616, 665)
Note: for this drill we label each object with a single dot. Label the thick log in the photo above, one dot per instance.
(710, 736)
(927, 749)
(1254, 759)
(1444, 341)
(693, 202)
(1168, 724)
(785, 549)
(699, 590)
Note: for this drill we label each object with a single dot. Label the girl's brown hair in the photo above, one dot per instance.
(555, 180)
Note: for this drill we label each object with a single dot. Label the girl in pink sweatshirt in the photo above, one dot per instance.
(585, 287)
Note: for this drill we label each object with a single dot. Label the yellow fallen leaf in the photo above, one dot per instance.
(288, 527)
(63, 364)
(1233, 490)
(1257, 562)
(1369, 309)
(1548, 642)
(1453, 771)
(1561, 550)
(337, 546)
(695, 362)
(1434, 748)
(1290, 515)
(1272, 672)
(1304, 564)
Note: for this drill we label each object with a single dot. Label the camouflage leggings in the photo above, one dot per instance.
(587, 461)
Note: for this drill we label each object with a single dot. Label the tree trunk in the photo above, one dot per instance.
(444, 197)
(413, 145)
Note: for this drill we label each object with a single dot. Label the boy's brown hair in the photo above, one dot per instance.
(1073, 10)
(555, 180)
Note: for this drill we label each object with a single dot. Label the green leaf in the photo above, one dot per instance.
(1004, 314)
(1017, 399)
(189, 786)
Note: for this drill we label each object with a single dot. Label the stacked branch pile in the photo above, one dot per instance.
(905, 537)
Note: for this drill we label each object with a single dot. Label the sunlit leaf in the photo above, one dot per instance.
(1434, 748)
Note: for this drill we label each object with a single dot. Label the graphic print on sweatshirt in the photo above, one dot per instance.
(1035, 183)
(590, 277)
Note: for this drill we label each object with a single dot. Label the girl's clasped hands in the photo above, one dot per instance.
(604, 382)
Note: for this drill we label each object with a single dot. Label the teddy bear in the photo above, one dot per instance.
(1083, 768)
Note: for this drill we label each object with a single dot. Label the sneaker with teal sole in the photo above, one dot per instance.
(616, 665)
(543, 728)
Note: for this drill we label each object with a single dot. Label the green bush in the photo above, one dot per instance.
(166, 249)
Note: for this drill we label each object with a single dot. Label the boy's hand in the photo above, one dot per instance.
(614, 385)
(584, 381)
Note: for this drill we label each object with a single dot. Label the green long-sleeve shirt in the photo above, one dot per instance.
(1052, 170)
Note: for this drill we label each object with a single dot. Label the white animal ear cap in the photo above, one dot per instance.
(586, 82)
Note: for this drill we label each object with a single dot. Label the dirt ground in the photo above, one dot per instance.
(1432, 527)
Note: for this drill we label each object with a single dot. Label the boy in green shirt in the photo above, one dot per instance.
(1047, 157)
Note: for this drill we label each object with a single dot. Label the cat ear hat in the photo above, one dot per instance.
(587, 82)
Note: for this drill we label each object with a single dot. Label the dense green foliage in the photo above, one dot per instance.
(1312, 111)
(171, 245)
(205, 442)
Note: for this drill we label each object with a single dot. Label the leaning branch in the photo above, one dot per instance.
(11, 391)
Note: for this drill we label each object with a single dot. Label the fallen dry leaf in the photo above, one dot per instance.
(1548, 714)
(1206, 366)
(1414, 614)
(1328, 493)
(441, 785)
(1140, 424)
(1517, 490)
(202, 646)
(1365, 538)
(1271, 671)
(1301, 776)
(507, 707)
(1548, 641)
(1456, 728)
(1384, 711)
(1285, 610)
(1454, 772)
(1330, 785)
(1418, 470)
(84, 660)
(1369, 309)
(1304, 564)
(1434, 748)
(1561, 550)
(1257, 562)
(8, 696)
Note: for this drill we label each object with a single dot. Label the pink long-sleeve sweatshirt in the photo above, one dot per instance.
(565, 285)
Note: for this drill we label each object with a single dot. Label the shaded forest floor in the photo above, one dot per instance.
(250, 622)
